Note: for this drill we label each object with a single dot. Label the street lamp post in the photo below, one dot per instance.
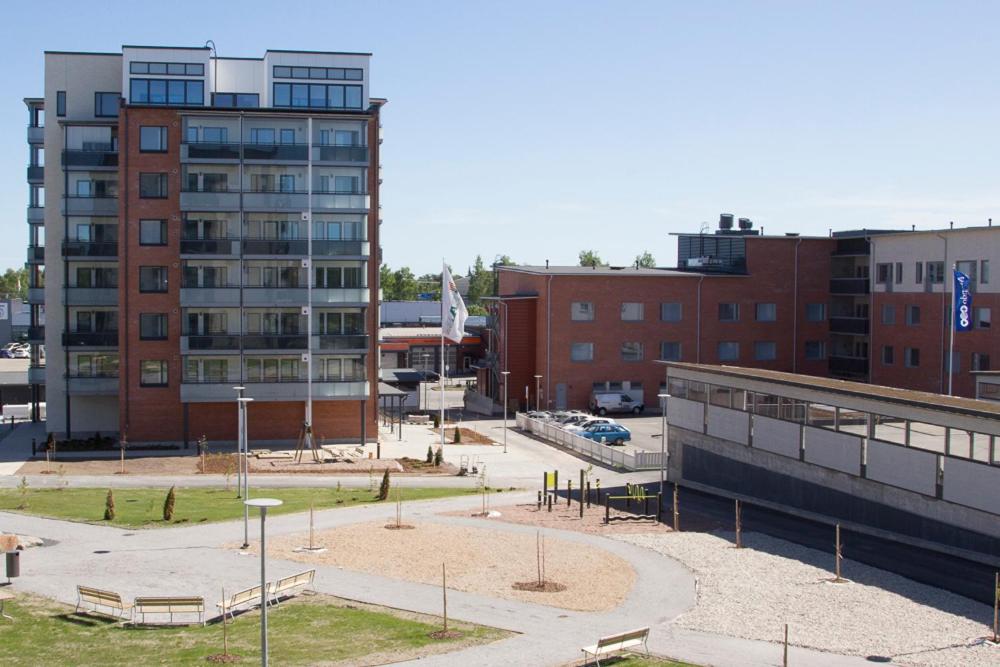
(538, 395)
(262, 504)
(504, 374)
(240, 458)
(243, 401)
(663, 442)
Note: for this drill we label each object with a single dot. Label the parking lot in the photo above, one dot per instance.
(645, 429)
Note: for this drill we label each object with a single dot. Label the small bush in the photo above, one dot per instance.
(109, 506)
(430, 454)
(22, 488)
(438, 457)
(436, 419)
(458, 435)
(383, 489)
(168, 505)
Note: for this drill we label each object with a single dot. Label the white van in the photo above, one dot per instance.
(605, 402)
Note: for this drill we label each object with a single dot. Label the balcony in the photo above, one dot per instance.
(286, 342)
(36, 295)
(228, 295)
(90, 159)
(278, 152)
(92, 385)
(849, 325)
(340, 248)
(290, 390)
(275, 247)
(209, 150)
(36, 215)
(36, 374)
(340, 201)
(354, 295)
(36, 135)
(849, 286)
(99, 206)
(340, 343)
(36, 335)
(36, 174)
(275, 200)
(852, 366)
(89, 249)
(352, 154)
(210, 343)
(90, 339)
(91, 296)
(36, 254)
(272, 296)
(210, 201)
(210, 247)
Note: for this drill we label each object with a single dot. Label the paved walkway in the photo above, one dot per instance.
(190, 560)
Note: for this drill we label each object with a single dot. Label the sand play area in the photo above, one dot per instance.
(479, 560)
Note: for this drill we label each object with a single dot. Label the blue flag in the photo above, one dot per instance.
(963, 302)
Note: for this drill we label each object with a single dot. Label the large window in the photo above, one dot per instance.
(330, 73)
(60, 102)
(632, 312)
(888, 314)
(153, 186)
(581, 352)
(171, 92)
(153, 373)
(935, 272)
(152, 139)
(317, 96)
(913, 315)
(980, 361)
(888, 355)
(765, 350)
(729, 351)
(982, 317)
(236, 100)
(729, 312)
(815, 349)
(911, 357)
(883, 273)
(766, 312)
(670, 351)
(631, 351)
(152, 232)
(152, 279)
(582, 311)
(815, 312)
(152, 326)
(670, 312)
(172, 69)
(106, 104)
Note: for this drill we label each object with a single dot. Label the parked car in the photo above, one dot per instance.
(604, 403)
(20, 352)
(610, 434)
(574, 417)
(7, 351)
(539, 414)
(590, 422)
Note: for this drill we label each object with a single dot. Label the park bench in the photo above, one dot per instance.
(245, 597)
(170, 606)
(102, 600)
(612, 644)
(287, 585)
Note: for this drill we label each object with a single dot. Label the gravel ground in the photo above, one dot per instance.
(563, 519)
(479, 560)
(753, 592)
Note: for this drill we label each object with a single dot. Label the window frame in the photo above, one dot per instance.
(635, 354)
(573, 347)
(757, 312)
(773, 349)
(680, 350)
(163, 231)
(736, 347)
(680, 311)
(888, 314)
(909, 354)
(641, 311)
(60, 103)
(590, 309)
(977, 313)
(888, 355)
(163, 285)
(98, 107)
(735, 312)
(822, 307)
(163, 187)
(162, 372)
(820, 346)
(162, 319)
(162, 138)
(912, 315)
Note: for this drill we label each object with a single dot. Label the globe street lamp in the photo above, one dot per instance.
(262, 504)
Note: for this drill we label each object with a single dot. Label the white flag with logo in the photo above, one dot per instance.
(453, 312)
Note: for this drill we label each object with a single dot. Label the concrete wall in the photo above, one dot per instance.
(775, 435)
(830, 449)
(903, 467)
(729, 424)
(686, 414)
(972, 484)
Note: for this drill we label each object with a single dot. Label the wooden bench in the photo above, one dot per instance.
(612, 644)
(245, 597)
(286, 585)
(101, 600)
(169, 606)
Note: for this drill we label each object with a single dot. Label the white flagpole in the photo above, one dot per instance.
(951, 323)
(443, 364)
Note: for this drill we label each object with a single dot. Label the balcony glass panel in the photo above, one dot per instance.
(218, 342)
(91, 339)
(90, 248)
(95, 157)
(254, 342)
(275, 152)
(325, 153)
(211, 150)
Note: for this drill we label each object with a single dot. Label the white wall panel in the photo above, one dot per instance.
(904, 467)
(840, 451)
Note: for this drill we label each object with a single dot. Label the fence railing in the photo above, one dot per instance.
(605, 454)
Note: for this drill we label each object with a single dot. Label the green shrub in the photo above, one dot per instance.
(168, 505)
(458, 435)
(109, 506)
(383, 489)
(430, 454)
(438, 457)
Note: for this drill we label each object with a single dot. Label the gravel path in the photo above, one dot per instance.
(752, 592)
(479, 560)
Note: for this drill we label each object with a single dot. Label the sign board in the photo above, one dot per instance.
(4, 314)
(425, 296)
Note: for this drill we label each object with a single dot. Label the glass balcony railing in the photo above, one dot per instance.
(284, 342)
(325, 153)
(849, 325)
(224, 246)
(107, 157)
(212, 342)
(293, 152)
(90, 339)
(211, 150)
(90, 248)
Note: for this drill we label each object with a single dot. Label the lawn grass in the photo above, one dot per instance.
(143, 508)
(306, 630)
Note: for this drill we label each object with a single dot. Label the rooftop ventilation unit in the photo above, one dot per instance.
(725, 221)
(746, 223)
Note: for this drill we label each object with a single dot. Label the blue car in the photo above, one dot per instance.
(610, 434)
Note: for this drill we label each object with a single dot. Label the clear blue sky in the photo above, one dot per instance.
(536, 129)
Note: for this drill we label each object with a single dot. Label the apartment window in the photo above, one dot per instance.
(913, 315)
(153, 186)
(215, 135)
(984, 271)
(815, 349)
(670, 312)
(152, 139)
(918, 273)
(582, 311)
(883, 273)
(152, 232)
(152, 279)
(632, 312)
(174, 69)
(171, 92)
(765, 350)
(729, 351)
(670, 351)
(334, 73)
(888, 355)
(581, 352)
(631, 351)
(766, 312)
(60, 102)
(815, 312)
(286, 136)
(982, 317)
(320, 96)
(899, 272)
(106, 104)
(236, 100)
(153, 373)
(888, 314)
(935, 272)
(911, 357)
(152, 326)
(286, 183)
(729, 312)
(262, 135)
(980, 361)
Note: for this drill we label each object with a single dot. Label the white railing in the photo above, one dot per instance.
(605, 454)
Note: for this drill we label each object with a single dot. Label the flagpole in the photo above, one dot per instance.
(951, 323)
(443, 363)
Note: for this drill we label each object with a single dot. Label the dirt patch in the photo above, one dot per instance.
(569, 519)
(308, 466)
(479, 560)
(425, 468)
(223, 658)
(150, 465)
(543, 587)
(469, 436)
